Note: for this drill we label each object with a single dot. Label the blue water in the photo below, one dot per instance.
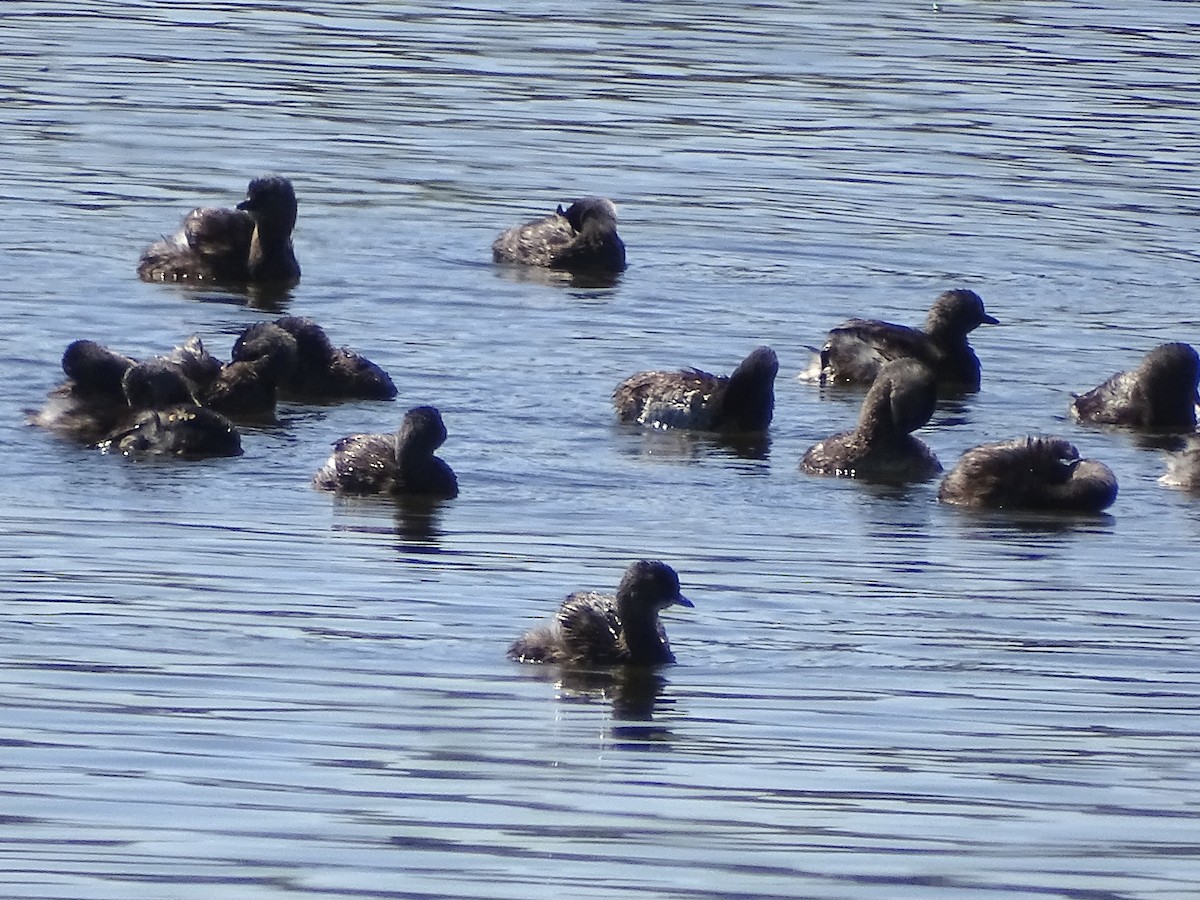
(216, 681)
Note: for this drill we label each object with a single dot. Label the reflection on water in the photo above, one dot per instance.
(1002, 524)
(1169, 442)
(632, 691)
(416, 521)
(218, 681)
(691, 446)
(557, 278)
(265, 298)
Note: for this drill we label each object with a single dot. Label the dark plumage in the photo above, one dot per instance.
(1183, 468)
(881, 447)
(1043, 473)
(582, 238)
(248, 245)
(1160, 394)
(855, 350)
(155, 384)
(592, 629)
(400, 464)
(91, 402)
(322, 372)
(741, 402)
(248, 386)
(164, 420)
(198, 367)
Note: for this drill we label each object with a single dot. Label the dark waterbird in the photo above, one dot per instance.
(738, 403)
(248, 245)
(593, 629)
(854, 351)
(164, 419)
(1040, 473)
(881, 446)
(91, 402)
(322, 372)
(246, 387)
(1159, 395)
(400, 464)
(581, 238)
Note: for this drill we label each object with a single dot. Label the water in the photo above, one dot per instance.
(219, 682)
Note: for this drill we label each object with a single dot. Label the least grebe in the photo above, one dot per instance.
(198, 367)
(1042, 473)
(1160, 394)
(881, 447)
(1183, 467)
(248, 245)
(155, 384)
(321, 372)
(91, 402)
(400, 464)
(581, 238)
(593, 629)
(247, 387)
(855, 350)
(742, 402)
(250, 383)
(164, 419)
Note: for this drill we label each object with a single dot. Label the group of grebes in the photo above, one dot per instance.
(185, 402)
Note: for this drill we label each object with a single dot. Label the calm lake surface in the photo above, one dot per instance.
(217, 682)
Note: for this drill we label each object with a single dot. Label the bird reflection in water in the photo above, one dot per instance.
(587, 280)
(999, 525)
(416, 521)
(681, 445)
(634, 692)
(1171, 443)
(269, 298)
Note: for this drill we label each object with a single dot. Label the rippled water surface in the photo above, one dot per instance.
(218, 682)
